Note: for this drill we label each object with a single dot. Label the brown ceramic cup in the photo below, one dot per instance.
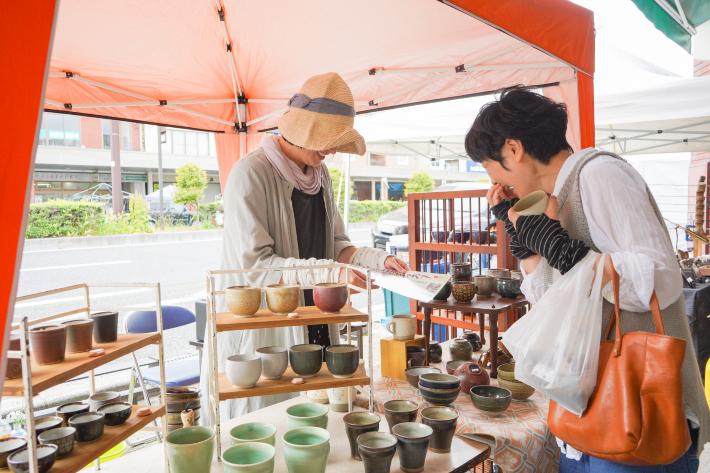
(48, 343)
(330, 297)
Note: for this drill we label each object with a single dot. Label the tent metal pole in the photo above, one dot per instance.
(642, 150)
(161, 214)
(116, 194)
(676, 17)
(346, 204)
(463, 68)
(267, 116)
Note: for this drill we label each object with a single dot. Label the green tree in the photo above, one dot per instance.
(419, 182)
(191, 182)
(338, 181)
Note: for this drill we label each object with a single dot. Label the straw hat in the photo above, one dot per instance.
(321, 116)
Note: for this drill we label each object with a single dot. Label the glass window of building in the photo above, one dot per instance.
(203, 144)
(126, 138)
(191, 143)
(178, 139)
(377, 160)
(106, 133)
(60, 130)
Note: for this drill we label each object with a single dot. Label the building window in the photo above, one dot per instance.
(60, 130)
(178, 139)
(377, 160)
(203, 144)
(403, 160)
(363, 190)
(126, 138)
(191, 144)
(395, 190)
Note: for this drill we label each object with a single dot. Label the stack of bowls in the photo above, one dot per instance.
(506, 379)
(413, 374)
(490, 398)
(439, 388)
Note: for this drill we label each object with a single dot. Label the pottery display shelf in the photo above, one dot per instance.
(85, 452)
(221, 389)
(37, 378)
(481, 306)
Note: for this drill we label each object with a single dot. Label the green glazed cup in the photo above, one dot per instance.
(249, 457)
(190, 450)
(307, 414)
(253, 432)
(306, 449)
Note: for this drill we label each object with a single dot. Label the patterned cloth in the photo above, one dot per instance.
(523, 442)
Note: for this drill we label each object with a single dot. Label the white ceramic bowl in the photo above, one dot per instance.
(243, 371)
(274, 361)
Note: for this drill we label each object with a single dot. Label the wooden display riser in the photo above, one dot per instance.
(47, 376)
(86, 452)
(265, 387)
(306, 316)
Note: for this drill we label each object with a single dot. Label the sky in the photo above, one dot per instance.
(630, 55)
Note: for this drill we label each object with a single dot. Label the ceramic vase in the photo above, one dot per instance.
(460, 349)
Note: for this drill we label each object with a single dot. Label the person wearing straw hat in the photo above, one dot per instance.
(279, 211)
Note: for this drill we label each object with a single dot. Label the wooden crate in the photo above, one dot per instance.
(394, 356)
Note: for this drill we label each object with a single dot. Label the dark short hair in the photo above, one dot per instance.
(519, 114)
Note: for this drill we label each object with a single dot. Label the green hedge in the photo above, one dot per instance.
(59, 218)
(371, 210)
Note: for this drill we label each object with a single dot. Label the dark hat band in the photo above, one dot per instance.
(321, 105)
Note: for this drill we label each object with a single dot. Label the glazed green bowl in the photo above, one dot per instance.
(250, 457)
(507, 372)
(519, 390)
(307, 414)
(253, 432)
(490, 398)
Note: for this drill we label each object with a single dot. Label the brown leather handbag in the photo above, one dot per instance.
(635, 414)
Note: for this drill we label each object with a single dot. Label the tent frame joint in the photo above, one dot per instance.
(67, 106)
(460, 68)
(163, 103)
(69, 75)
(220, 12)
(242, 99)
(240, 127)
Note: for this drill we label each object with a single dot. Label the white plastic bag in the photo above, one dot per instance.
(556, 344)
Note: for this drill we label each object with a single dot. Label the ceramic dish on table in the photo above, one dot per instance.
(490, 398)
(46, 455)
(65, 411)
(413, 374)
(452, 365)
(101, 398)
(439, 397)
(520, 391)
(439, 381)
(8, 446)
(507, 371)
(89, 426)
(116, 413)
(509, 287)
(47, 423)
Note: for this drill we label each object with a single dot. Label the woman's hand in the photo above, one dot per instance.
(392, 263)
(497, 194)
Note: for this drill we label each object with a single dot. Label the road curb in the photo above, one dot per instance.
(38, 244)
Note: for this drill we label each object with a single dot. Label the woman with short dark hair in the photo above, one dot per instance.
(604, 205)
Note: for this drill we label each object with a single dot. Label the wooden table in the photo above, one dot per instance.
(480, 306)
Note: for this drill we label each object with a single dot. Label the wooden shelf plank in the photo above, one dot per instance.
(47, 376)
(264, 387)
(85, 452)
(307, 316)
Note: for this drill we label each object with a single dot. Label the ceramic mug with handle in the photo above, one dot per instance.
(403, 326)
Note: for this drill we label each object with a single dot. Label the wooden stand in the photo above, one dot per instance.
(393, 354)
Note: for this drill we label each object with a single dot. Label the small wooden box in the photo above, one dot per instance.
(394, 356)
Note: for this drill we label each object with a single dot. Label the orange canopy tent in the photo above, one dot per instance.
(229, 66)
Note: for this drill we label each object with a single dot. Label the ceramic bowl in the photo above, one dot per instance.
(452, 365)
(243, 370)
(249, 458)
(102, 398)
(48, 343)
(413, 374)
(306, 360)
(439, 381)
(89, 426)
(8, 446)
(342, 360)
(62, 437)
(274, 361)
(463, 291)
(47, 423)
(243, 301)
(400, 410)
(282, 299)
(307, 414)
(471, 374)
(105, 326)
(490, 398)
(439, 397)
(330, 297)
(46, 454)
(485, 285)
(520, 391)
(435, 352)
(508, 287)
(535, 203)
(80, 335)
(461, 272)
(497, 272)
(507, 372)
(65, 411)
(116, 413)
(253, 432)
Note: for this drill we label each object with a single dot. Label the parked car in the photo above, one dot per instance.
(392, 229)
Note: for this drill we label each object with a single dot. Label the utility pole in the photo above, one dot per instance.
(116, 191)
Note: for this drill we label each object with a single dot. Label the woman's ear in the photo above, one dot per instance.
(516, 149)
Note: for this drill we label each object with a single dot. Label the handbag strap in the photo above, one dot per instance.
(615, 321)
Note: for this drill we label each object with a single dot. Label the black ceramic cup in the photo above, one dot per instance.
(357, 423)
(377, 450)
(89, 426)
(105, 327)
(400, 410)
(412, 443)
(442, 421)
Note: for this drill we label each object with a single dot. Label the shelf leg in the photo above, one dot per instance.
(28, 395)
(370, 361)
